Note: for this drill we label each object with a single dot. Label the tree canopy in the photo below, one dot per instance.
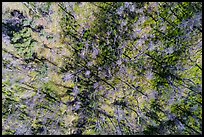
(102, 68)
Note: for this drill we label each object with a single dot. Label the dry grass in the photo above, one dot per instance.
(9, 6)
